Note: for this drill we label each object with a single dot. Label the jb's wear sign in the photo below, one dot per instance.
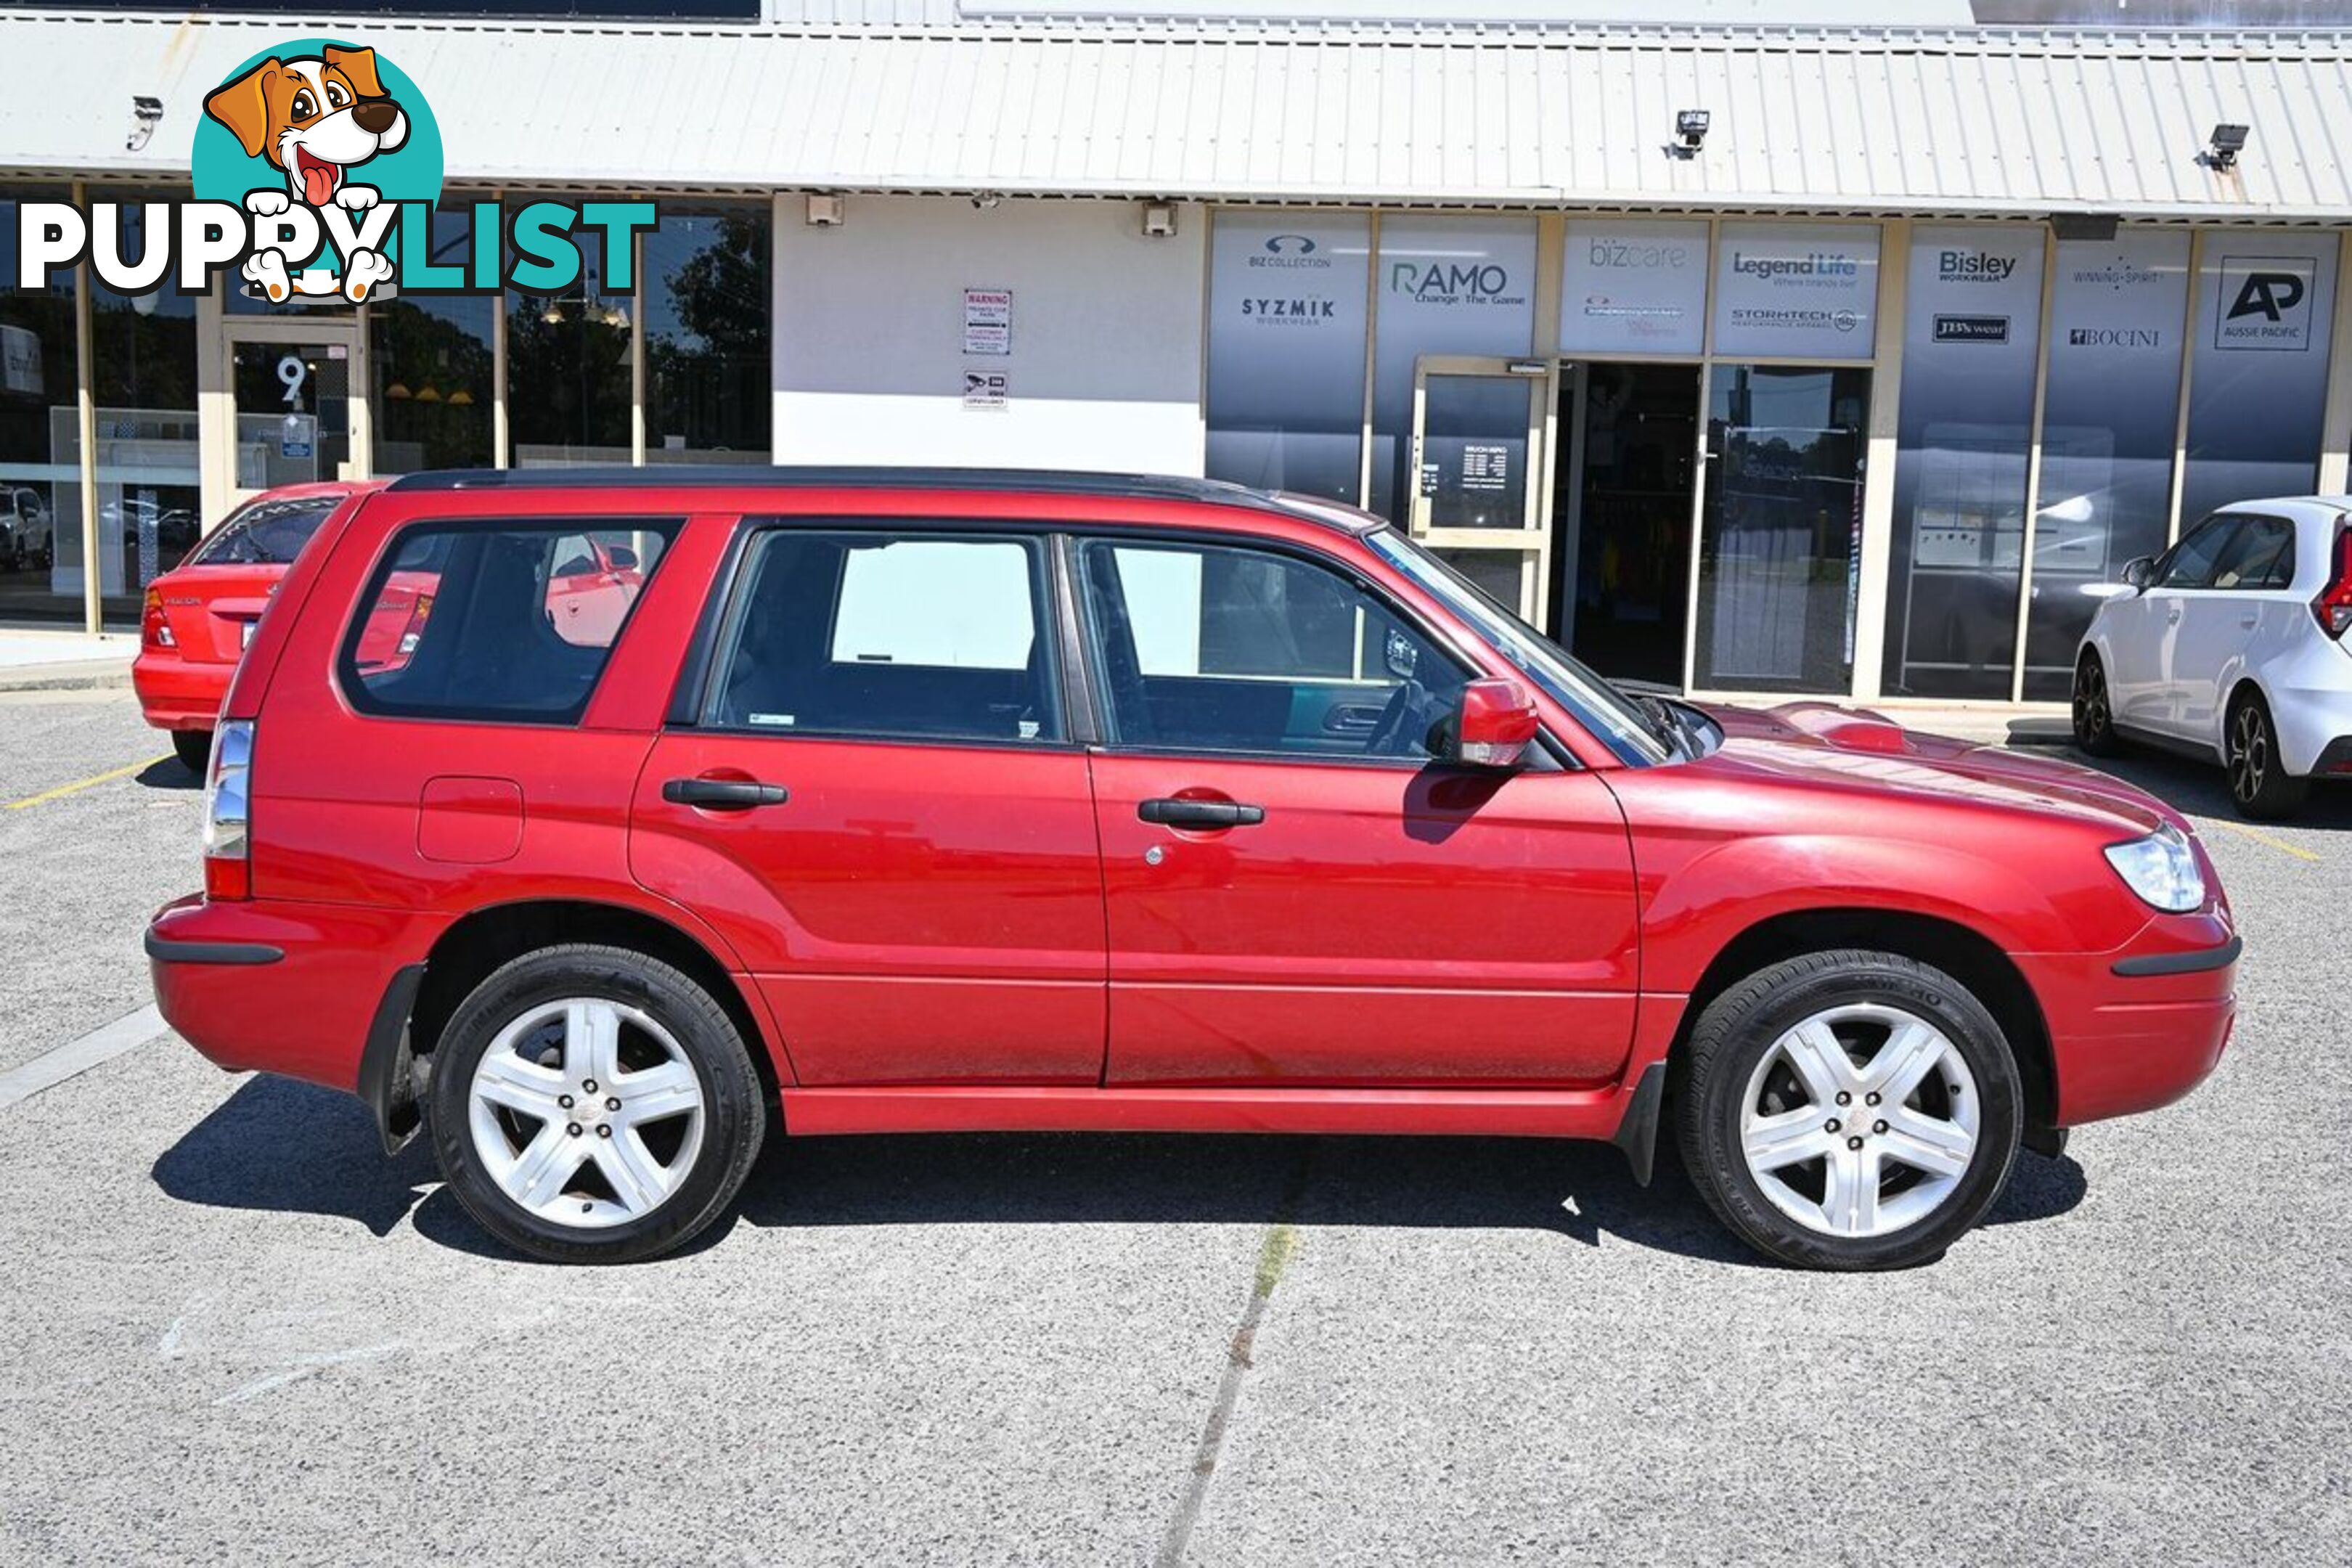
(316, 170)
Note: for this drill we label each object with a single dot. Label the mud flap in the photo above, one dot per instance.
(1637, 1134)
(388, 1075)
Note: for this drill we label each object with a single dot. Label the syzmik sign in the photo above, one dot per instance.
(316, 171)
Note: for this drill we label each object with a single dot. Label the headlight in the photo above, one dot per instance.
(2161, 869)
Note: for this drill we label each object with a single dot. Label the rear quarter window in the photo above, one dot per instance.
(511, 621)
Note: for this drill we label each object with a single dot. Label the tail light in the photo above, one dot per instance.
(228, 846)
(2334, 605)
(153, 629)
(417, 616)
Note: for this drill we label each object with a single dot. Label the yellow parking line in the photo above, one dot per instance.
(2259, 837)
(80, 785)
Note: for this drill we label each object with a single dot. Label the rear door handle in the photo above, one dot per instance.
(1200, 813)
(2247, 620)
(724, 794)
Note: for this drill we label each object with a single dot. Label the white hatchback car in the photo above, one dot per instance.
(2233, 645)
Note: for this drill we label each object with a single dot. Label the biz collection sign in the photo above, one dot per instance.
(1797, 290)
(1633, 288)
(1287, 328)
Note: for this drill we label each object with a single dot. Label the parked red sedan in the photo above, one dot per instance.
(200, 615)
(882, 801)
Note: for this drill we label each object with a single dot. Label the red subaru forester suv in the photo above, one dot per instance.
(909, 801)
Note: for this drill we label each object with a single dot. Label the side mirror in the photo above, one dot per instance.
(622, 557)
(2139, 572)
(1493, 725)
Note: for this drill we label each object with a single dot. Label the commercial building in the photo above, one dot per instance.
(1813, 357)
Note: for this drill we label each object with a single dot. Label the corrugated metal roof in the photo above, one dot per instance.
(1949, 120)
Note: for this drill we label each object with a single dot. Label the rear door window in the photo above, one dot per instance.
(474, 620)
(892, 636)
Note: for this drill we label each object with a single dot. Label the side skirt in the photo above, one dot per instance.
(1597, 1113)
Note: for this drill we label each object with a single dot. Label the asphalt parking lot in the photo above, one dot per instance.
(232, 1328)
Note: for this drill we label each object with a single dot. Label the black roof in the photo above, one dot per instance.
(748, 476)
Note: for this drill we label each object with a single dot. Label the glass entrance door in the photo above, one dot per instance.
(1780, 545)
(1478, 432)
(1625, 482)
(291, 413)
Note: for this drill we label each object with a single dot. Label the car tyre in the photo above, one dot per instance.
(1760, 1054)
(194, 749)
(2259, 781)
(2095, 714)
(663, 1143)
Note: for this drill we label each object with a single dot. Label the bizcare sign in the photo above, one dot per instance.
(316, 170)
(1635, 287)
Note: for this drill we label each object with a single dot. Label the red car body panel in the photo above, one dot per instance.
(936, 938)
(213, 610)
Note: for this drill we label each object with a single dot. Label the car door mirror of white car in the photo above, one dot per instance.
(2139, 572)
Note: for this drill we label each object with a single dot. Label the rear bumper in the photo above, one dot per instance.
(175, 694)
(274, 986)
(2139, 1027)
(2311, 704)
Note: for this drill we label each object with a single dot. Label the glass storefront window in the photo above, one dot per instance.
(1971, 342)
(432, 362)
(1285, 380)
(2110, 415)
(705, 289)
(2258, 380)
(37, 383)
(568, 368)
(1446, 286)
(144, 379)
(1780, 528)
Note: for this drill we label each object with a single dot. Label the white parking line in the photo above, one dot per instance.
(102, 1043)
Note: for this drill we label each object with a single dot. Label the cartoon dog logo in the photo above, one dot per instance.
(316, 117)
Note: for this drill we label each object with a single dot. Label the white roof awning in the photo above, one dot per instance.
(1874, 120)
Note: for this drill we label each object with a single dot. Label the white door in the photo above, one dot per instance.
(2147, 636)
(2222, 624)
(1479, 438)
(286, 405)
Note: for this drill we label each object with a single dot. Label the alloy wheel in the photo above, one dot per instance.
(1860, 1120)
(586, 1113)
(2249, 752)
(2091, 716)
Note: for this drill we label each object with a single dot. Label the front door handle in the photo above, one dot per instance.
(2248, 619)
(724, 794)
(1201, 813)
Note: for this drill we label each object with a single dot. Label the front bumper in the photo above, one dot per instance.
(276, 986)
(2139, 1027)
(175, 694)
